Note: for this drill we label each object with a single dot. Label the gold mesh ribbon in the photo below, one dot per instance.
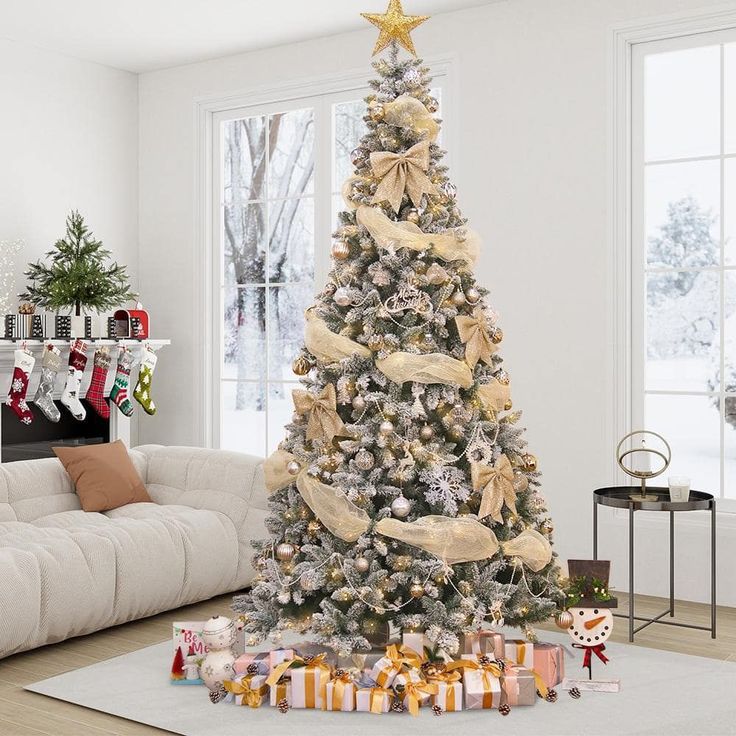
(497, 483)
(446, 245)
(531, 548)
(275, 474)
(428, 368)
(494, 395)
(473, 333)
(402, 172)
(333, 508)
(414, 693)
(408, 112)
(252, 697)
(323, 421)
(327, 345)
(452, 540)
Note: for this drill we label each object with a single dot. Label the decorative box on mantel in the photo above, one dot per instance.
(24, 442)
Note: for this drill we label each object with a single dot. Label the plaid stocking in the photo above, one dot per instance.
(44, 399)
(77, 364)
(16, 400)
(119, 393)
(142, 391)
(96, 390)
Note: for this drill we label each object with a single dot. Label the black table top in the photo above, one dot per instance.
(621, 497)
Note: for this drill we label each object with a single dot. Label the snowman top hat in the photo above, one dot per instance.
(589, 570)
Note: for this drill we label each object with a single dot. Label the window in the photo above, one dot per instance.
(683, 234)
(277, 174)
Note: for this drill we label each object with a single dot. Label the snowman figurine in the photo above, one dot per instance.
(219, 634)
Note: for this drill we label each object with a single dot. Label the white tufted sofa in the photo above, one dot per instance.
(66, 572)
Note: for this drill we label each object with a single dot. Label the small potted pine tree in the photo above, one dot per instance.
(77, 275)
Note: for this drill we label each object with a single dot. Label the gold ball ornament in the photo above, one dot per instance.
(472, 295)
(432, 105)
(285, 551)
(401, 563)
(530, 462)
(313, 528)
(416, 590)
(426, 433)
(496, 335)
(340, 250)
(377, 112)
(301, 366)
(293, 467)
(563, 620)
(375, 342)
(508, 405)
(521, 482)
(458, 298)
(412, 216)
(362, 564)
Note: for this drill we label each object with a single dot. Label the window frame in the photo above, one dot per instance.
(319, 94)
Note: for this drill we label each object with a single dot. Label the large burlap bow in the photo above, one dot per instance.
(408, 112)
(449, 245)
(323, 420)
(402, 172)
(473, 333)
(327, 345)
(429, 368)
(494, 395)
(497, 483)
(251, 697)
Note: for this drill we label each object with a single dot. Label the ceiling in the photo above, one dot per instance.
(142, 35)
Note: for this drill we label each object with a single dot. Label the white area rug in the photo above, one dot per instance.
(662, 693)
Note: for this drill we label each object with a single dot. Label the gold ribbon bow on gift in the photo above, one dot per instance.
(486, 670)
(323, 422)
(413, 692)
(473, 333)
(376, 698)
(316, 666)
(449, 679)
(400, 172)
(398, 656)
(339, 683)
(497, 483)
(251, 697)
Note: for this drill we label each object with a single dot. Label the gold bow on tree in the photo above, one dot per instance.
(400, 172)
(497, 484)
(473, 333)
(324, 422)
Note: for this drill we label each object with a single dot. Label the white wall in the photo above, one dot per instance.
(68, 139)
(531, 167)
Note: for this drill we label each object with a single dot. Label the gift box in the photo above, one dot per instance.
(519, 686)
(250, 690)
(279, 691)
(449, 693)
(310, 649)
(483, 642)
(520, 652)
(481, 683)
(340, 693)
(373, 699)
(414, 640)
(278, 656)
(260, 660)
(384, 671)
(308, 685)
(549, 663)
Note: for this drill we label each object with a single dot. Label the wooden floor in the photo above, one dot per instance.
(24, 713)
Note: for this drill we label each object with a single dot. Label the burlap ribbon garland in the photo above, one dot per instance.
(408, 112)
(326, 345)
(494, 395)
(402, 172)
(323, 421)
(453, 540)
(428, 368)
(447, 245)
(473, 333)
(497, 484)
(251, 697)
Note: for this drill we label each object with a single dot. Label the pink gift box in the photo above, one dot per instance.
(549, 663)
(483, 642)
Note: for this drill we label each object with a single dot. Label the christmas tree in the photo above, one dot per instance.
(78, 275)
(403, 492)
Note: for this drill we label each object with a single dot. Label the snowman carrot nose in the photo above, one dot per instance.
(594, 622)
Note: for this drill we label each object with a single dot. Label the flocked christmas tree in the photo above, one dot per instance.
(403, 492)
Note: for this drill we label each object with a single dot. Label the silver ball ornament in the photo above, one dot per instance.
(458, 298)
(362, 564)
(426, 433)
(293, 467)
(472, 295)
(342, 297)
(386, 427)
(358, 403)
(400, 507)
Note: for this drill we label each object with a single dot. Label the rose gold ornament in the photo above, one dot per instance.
(285, 551)
(426, 433)
(458, 298)
(472, 295)
(293, 467)
(563, 620)
(340, 250)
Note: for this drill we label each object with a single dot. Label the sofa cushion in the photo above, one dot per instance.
(104, 476)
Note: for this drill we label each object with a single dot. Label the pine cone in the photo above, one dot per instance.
(437, 710)
(574, 693)
(283, 705)
(504, 709)
(252, 669)
(500, 664)
(484, 659)
(218, 694)
(308, 658)
(551, 696)
(339, 672)
(397, 707)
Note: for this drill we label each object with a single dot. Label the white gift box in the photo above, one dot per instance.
(520, 652)
(366, 696)
(475, 692)
(414, 640)
(449, 696)
(279, 691)
(384, 672)
(306, 687)
(348, 697)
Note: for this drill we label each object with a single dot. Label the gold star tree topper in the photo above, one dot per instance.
(394, 26)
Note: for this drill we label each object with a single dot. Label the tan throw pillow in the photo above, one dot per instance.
(103, 475)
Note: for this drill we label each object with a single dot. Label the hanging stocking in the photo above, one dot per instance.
(142, 391)
(77, 364)
(24, 363)
(119, 393)
(96, 391)
(44, 399)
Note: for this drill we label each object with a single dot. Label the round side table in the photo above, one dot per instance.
(625, 497)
